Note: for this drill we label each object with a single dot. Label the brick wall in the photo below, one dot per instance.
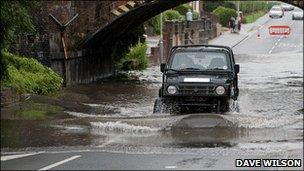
(177, 33)
(46, 44)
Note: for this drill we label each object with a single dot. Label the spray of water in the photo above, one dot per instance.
(102, 128)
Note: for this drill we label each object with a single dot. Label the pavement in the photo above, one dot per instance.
(236, 38)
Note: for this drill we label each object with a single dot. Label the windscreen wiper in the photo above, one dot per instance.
(191, 69)
(170, 69)
(215, 69)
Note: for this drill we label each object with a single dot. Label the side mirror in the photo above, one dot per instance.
(162, 67)
(236, 68)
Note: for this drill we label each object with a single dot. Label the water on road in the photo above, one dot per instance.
(117, 116)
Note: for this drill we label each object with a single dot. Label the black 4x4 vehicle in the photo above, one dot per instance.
(198, 76)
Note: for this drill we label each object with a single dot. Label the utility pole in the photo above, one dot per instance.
(161, 45)
(238, 9)
(63, 27)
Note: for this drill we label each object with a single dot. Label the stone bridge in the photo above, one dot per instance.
(78, 38)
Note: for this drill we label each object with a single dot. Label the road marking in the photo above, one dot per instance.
(170, 167)
(240, 41)
(10, 157)
(252, 33)
(276, 43)
(60, 163)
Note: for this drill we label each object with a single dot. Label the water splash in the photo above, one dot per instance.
(101, 128)
(249, 121)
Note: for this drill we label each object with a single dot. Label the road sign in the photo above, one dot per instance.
(279, 30)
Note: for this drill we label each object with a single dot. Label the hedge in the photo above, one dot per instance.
(27, 75)
(167, 15)
(212, 5)
(136, 59)
(224, 14)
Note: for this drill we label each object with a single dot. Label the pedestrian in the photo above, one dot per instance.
(231, 24)
(239, 22)
(189, 17)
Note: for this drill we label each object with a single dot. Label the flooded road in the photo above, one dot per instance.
(116, 118)
(115, 115)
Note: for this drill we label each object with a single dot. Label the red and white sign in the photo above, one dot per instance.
(279, 30)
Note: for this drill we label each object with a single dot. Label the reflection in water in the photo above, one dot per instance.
(271, 111)
(20, 134)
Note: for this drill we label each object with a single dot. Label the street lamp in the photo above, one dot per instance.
(161, 46)
(237, 8)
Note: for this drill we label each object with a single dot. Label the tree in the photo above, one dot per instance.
(210, 6)
(14, 18)
(224, 14)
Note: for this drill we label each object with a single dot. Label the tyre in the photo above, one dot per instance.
(222, 106)
(165, 106)
(158, 105)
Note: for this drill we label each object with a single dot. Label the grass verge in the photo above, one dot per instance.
(250, 18)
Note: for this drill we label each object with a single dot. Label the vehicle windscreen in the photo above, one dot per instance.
(200, 60)
(276, 9)
(298, 10)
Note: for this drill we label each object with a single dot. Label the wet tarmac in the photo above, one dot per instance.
(116, 116)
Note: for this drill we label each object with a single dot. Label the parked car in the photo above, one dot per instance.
(287, 7)
(297, 14)
(200, 77)
(276, 12)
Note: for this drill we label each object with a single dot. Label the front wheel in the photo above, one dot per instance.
(159, 105)
(162, 105)
(222, 106)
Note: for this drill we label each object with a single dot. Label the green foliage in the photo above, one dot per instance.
(195, 15)
(183, 9)
(27, 75)
(167, 16)
(130, 38)
(224, 14)
(155, 24)
(254, 16)
(248, 7)
(172, 15)
(212, 5)
(14, 19)
(136, 59)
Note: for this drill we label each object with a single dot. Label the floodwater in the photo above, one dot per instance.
(117, 116)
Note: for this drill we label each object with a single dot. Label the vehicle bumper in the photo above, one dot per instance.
(197, 101)
(275, 16)
(295, 17)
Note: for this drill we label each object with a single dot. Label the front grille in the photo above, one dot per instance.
(196, 89)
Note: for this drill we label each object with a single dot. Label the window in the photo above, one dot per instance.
(200, 60)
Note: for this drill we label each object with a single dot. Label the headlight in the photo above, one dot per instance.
(171, 89)
(220, 90)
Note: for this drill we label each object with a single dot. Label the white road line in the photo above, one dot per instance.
(270, 51)
(60, 162)
(10, 157)
(170, 167)
(276, 43)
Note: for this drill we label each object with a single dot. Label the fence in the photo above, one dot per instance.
(83, 69)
